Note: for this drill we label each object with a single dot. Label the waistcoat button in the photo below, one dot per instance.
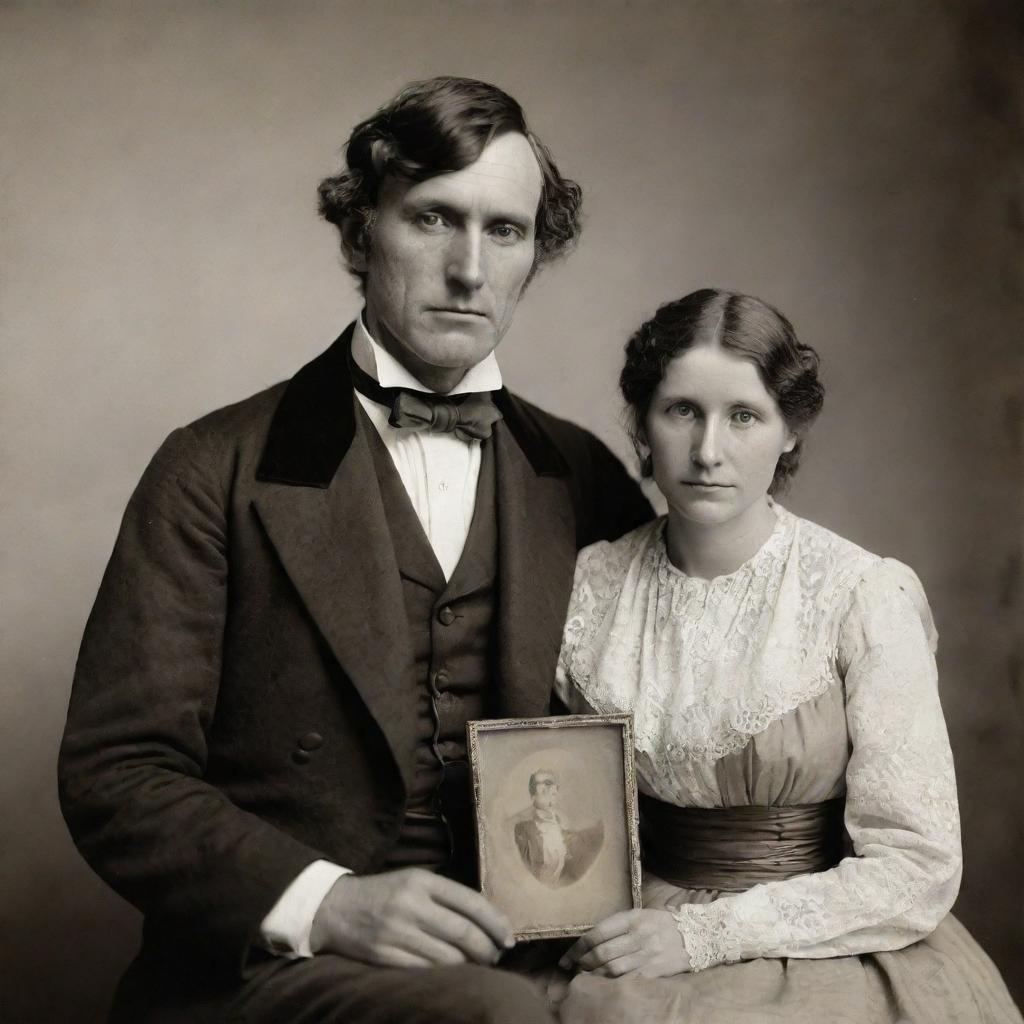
(446, 616)
(311, 741)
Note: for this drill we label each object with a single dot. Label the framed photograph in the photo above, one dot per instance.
(556, 820)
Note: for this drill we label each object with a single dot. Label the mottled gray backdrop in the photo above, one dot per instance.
(856, 163)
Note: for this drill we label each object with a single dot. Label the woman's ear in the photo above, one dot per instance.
(791, 441)
(355, 242)
(643, 453)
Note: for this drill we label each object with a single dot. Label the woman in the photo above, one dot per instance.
(801, 837)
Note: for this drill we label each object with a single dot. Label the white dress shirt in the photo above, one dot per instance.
(439, 471)
(440, 474)
(553, 848)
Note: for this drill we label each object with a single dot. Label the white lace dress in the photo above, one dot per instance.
(807, 674)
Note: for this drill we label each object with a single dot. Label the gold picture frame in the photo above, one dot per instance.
(557, 829)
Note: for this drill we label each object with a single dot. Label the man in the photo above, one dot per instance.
(540, 839)
(555, 855)
(311, 593)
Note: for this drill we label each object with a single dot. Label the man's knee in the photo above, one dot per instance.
(332, 989)
(487, 995)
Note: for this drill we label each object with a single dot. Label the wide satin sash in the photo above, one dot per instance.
(733, 848)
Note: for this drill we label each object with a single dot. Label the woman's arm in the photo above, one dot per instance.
(901, 809)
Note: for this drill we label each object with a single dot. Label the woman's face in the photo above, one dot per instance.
(715, 434)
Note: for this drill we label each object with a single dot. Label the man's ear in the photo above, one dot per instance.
(355, 242)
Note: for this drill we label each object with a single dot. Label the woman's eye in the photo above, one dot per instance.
(682, 409)
(744, 417)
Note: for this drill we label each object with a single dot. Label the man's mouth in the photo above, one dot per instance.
(457, 311)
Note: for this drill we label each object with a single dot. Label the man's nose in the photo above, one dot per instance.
(465, 260)
(707, 444)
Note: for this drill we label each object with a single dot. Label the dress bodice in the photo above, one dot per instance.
(735, 683)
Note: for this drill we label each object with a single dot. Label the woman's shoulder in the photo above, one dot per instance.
(848, 559)
(609, 555)
(603, 568)
(840, 555)
(867, 578)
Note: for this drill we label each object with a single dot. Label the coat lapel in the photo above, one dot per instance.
(322, 510)
(536, 559)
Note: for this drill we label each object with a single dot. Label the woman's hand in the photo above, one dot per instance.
(645, 943)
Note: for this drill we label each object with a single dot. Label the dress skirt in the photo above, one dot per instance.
(945, 978)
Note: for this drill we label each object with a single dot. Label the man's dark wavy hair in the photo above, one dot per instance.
(439, 125)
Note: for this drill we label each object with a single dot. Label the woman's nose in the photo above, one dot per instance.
(706, 451)
(465, 263)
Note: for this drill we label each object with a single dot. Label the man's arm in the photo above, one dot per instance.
(134, 758)
(134, 755)
(287, 929)
(616, 504)
(608, 502)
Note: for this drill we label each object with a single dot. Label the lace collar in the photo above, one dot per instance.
(772, 551)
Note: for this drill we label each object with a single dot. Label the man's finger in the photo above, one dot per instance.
(414, 942)
(461, 932)
(395, 956)
(469, 903)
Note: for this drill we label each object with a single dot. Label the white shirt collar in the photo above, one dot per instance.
(373, 359)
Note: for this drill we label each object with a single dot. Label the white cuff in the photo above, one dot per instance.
(708, 934)
(285, 930)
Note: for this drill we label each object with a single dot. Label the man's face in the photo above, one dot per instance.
(545, 792)
(447, 259)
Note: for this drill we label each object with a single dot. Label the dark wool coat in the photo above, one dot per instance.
(242, 705)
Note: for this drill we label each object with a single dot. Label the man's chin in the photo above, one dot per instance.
(456, 350)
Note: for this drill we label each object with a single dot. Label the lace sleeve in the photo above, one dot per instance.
(901, 809)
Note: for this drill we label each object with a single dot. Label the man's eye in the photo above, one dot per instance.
(506, 233)
(429, 220)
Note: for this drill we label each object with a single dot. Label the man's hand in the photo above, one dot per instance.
(409, 918)
(644, 943)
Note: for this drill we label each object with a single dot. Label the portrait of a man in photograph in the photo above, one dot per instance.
(554, 854)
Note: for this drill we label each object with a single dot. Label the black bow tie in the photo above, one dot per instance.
(467, 416)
